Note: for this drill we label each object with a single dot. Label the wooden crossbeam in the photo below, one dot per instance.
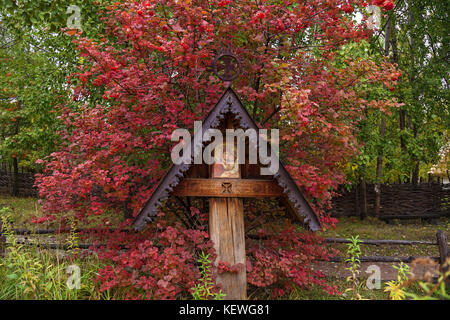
(226, 188)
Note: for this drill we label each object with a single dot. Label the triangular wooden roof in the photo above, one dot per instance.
(228, 103)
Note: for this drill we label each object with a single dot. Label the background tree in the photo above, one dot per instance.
(30, 86)
(36, 58)
(412, 35)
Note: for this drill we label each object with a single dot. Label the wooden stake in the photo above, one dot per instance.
(226, 227)
(443, 253)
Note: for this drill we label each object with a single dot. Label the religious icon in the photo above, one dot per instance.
(225, 165)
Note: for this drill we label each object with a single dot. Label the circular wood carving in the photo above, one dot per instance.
(226, 66)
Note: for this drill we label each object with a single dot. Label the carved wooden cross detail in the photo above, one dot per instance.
(227, 187)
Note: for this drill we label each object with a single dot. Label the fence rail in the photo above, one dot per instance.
(441, 242)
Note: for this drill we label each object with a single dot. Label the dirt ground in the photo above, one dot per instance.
(337, 270)
(387, 270)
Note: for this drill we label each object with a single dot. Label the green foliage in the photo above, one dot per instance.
(51, 15)
(353, 254)
(437, 291)
(28, 272)
(73, 239)
(416, 131)
(409, 285)
(36, 59)
(204, 289)
(395, 287)
(31, 85)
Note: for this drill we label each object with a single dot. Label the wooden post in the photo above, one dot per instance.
(227, 231)
(443, 253)
(226, 227)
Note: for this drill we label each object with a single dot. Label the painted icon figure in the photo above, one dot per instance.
(225, 165)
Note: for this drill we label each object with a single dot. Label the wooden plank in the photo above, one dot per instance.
(443, 245)
(198, 171)
(223, 188)
(226, 227)
(363, 241)
(444, 255)
(379, 259)
(381, 242)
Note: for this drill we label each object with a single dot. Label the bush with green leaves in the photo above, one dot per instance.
(205, 289)
(353, 254)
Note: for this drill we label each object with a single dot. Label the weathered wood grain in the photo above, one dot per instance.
(226, 226)
(224, 188)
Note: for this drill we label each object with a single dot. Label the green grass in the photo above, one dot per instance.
(30, 272)
(24, 209)
(372, 228)
(317, 293)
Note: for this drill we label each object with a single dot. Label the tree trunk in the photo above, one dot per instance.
(415, 176)
(364, 199)
(379, 172)
(357, 206)
(15, 184)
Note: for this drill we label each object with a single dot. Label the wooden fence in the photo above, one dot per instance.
(25, 182)
(398, 201)
(441, 242)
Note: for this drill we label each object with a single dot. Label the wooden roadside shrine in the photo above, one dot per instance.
(226, 186)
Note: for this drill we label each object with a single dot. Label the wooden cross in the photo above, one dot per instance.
(226, 185)
(226, 216)
(230, 66)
